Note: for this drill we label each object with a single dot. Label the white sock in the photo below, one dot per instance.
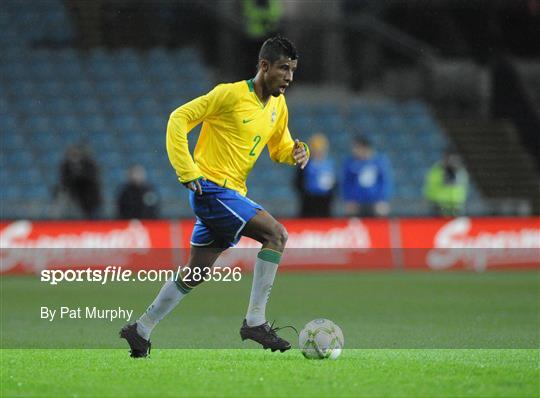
(168, 297)
(263, 279)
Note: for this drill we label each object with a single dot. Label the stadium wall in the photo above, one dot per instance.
(462, 243)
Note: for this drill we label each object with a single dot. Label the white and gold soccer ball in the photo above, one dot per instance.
(321, 339)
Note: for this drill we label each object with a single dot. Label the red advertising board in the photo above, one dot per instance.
(470, 243)
(317, 244)
(28, 246)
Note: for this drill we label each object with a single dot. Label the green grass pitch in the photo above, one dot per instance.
(255, 373)
(406, 334)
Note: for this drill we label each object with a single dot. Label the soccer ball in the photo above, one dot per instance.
(321, 339)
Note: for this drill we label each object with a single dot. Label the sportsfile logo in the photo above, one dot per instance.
(63, 248)
(454, 243)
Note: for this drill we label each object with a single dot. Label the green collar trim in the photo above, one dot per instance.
(252, 90)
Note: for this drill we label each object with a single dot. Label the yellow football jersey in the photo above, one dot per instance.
(236, 127)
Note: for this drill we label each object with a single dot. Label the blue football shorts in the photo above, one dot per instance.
(221, 215)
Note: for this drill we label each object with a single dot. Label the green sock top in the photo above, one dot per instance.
(270, 255)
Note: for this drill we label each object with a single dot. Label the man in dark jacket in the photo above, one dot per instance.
(137, 199)
(79, 179)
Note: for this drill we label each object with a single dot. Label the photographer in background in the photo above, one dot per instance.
(446, 185)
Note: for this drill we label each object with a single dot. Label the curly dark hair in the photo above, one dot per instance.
(276, 47)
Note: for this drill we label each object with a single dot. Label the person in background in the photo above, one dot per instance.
(79, 182)
(316, 183)
(446, 185)
(137, 199)
(261, 18)
(367, 181)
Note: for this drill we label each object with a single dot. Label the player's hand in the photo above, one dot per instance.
(195, 185)
(300, 154)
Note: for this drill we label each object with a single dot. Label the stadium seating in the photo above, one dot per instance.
(118, 102)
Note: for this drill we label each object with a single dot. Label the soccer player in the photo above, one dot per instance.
(238, 121)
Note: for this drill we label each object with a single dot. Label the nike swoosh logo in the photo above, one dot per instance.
(246, 120)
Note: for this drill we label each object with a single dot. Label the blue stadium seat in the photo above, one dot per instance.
(93, 122)
(87, 106)
(8, 124)
(58, 106)
(125, 123)
(80, 88)
(19, 159)
(9, 192)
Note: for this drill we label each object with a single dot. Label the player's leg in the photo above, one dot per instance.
(273, 236)
(205, 249)
(235, 215)
(173, 291)
(267, 230)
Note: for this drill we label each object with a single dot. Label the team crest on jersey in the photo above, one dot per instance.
(273, 118)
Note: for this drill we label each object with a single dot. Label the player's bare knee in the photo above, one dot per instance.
(279, 237)
(283, 234)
